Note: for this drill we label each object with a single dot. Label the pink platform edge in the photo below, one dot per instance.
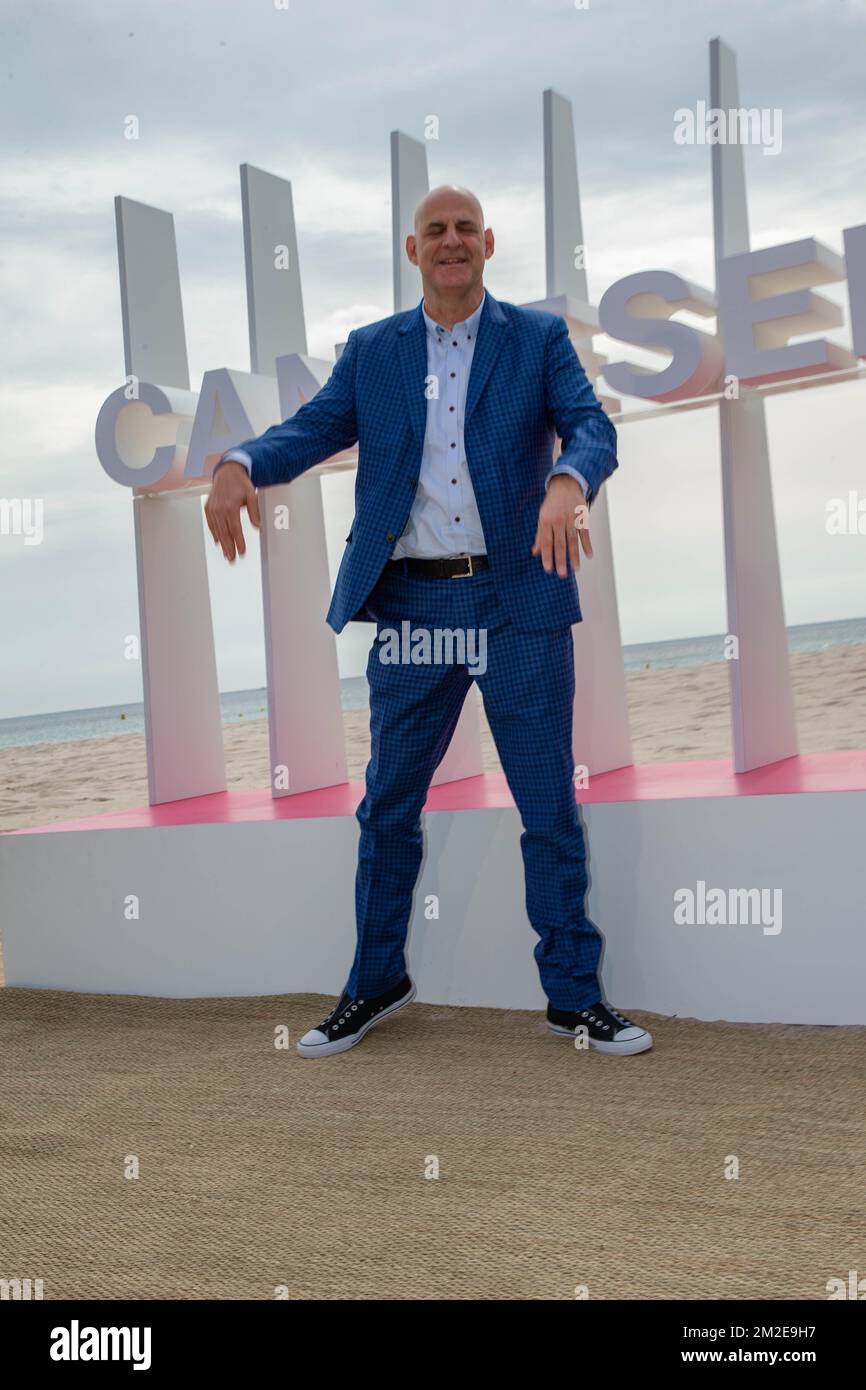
(807, 772)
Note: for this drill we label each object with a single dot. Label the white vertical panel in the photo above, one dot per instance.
(183, 724)
(602, 736)
(154, 341)
(305, 721)
(855, 271)
(763, 721)
(183, 727)
(408, 186)
(275, 304)
(563, 223)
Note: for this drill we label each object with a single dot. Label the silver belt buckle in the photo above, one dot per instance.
(469, 572)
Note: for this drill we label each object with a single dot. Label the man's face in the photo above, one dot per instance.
(450, 244)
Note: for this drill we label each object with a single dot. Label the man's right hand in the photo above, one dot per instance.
(231, 490)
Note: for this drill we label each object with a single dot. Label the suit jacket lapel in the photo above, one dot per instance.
(492, 328)
(412, 348)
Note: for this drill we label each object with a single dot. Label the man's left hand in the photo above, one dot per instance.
(562, 525)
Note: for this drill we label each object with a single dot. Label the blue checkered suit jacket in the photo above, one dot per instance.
(526, 387)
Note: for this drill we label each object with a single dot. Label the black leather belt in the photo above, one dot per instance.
(448, 567)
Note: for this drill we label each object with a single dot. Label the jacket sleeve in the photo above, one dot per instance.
(322, 426)
(588, 436)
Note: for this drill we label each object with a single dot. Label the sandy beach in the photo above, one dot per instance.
(677, 713)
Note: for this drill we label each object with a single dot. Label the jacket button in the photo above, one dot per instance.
(389, 537)
(413, 482)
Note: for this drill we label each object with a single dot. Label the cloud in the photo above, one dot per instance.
(312, 93)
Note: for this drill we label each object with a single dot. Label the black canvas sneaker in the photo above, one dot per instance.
(350, 1019)
(606, 1029)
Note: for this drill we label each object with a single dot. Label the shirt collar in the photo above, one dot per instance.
(470, 325)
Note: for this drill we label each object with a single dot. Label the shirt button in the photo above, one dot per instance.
(456, 518)
(450, 407)
(453, 446)
(454, 480)
(453, 373)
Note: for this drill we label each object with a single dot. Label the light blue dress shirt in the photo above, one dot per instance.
(444, 518)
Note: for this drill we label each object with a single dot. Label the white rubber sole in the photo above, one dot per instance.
(624, 1049)
(330, 1049)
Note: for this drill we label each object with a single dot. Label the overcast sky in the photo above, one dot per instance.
(311, 93)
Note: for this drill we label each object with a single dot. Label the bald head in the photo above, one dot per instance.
(449, 246)
(445, 196)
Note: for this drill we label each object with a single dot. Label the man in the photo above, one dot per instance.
(462, 525)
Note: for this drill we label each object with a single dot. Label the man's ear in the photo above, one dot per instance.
(411, 249)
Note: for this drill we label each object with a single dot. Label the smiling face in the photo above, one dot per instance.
(450, 244)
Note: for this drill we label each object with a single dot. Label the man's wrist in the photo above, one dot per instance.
(575, 478)
(236, 456)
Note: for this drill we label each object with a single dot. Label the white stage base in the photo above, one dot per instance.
(266, 907)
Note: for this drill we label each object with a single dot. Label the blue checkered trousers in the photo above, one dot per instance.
(526, 386)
